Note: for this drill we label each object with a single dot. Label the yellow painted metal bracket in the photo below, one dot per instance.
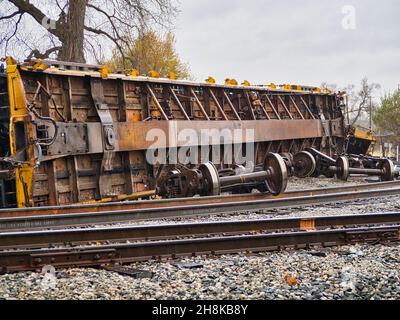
(231, 82)
(132, 197)
(154, 74)
(20, 118)
(134, 73)
(173, 76)
(104, 71)
(210, 80)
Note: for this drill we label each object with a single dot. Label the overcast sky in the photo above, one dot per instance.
(297, 42)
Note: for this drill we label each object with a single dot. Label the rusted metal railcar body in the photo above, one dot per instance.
(73, 133)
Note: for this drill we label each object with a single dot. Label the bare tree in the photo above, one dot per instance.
(331, 86)
(72, 30)
(361, 102)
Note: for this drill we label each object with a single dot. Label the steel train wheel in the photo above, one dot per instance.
(277, 182)
(304, 164)
(388, 169)
(343, 168)
(211, 179)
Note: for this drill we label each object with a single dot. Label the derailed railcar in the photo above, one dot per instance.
(74, 133)
(360, 141)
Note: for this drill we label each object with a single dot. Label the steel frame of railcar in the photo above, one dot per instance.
(78, 134)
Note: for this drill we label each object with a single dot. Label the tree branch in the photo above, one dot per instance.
(12, 15)
(109, 17)
(25, 6)
(38, 55)
(15, 31)
(106, 34)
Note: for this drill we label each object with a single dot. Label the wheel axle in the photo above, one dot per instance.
(386, 170)
(208, 181)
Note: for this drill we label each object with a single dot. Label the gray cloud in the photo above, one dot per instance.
(298, 42)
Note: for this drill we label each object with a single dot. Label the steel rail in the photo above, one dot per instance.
(168, 231)
(117, 206)
(23, 260)
(111, 217)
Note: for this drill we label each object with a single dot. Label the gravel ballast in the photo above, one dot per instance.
(360, 272)
(349, 272)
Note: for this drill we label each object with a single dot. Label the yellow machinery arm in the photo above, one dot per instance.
(21, 135)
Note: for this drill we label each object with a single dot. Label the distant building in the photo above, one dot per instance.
(388, 145)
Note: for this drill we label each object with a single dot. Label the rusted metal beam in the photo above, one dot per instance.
(307, 107)
(220, 108)
(158, 105)
(51, 166)
(74, 179)
(296, 107)
(102, 138)
(285, 107)
(250, 106)
(132, 136)
(265, 110)
(273, 107)
(179, 103)
(200, 105)
(232, 106)
(72, 162)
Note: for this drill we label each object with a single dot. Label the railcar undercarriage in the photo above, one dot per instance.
(73, 133)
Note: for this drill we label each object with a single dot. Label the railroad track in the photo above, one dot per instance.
(200, 207)
(27, 244)
(21, 251)
(133, 205)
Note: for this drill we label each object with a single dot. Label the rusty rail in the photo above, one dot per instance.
(22, 260)
(108, 217)
(156, 232)
(133, 205)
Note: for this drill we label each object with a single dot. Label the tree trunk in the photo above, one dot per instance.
(73, 35)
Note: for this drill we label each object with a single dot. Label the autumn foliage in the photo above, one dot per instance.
(151, 52)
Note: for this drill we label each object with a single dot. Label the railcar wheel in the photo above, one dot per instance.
(388, 169)
(278, 179)
(343, 168)
(212, 186)
(304, 164)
